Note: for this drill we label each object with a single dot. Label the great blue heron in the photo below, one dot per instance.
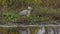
(26, 12)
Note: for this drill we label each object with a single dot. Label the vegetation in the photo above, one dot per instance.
(43, 10)
(9, 17)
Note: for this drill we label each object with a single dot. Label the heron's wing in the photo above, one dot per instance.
(24, 12)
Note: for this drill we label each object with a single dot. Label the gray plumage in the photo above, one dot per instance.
(25, 12)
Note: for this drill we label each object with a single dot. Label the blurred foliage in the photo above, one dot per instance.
(22, 3)
(9, 17)
(43, 10)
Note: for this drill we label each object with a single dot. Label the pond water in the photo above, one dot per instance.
(41, 31)
(49, 31)
(23, 32)
(58, 32)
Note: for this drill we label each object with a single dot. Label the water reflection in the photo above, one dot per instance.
(41, 31)
(48, 30)
(58, 32)
(51, 31)
(23, 31)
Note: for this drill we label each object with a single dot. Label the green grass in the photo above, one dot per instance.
(38, 14)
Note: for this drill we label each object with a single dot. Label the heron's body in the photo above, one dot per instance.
(25, 12)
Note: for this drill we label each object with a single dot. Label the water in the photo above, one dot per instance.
(51, 30)
(41, 31)
(23, 32)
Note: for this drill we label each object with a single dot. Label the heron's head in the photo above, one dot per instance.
(29, 8)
